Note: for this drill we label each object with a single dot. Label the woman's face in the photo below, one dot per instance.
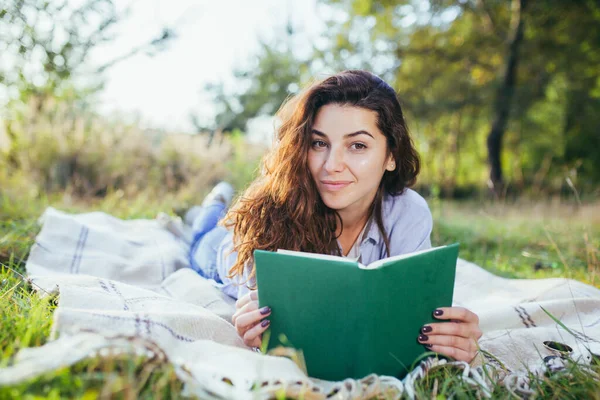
(347, 158)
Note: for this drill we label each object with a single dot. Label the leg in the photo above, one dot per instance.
(207, 219)
(204, 256)
(206, 235)
(206, 216)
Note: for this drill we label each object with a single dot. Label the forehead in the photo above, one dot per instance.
(340, 120)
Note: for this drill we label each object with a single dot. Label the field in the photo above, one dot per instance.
(520, 240)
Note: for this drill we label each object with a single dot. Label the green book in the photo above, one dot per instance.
(351, 320)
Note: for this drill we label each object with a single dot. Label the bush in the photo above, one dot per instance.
(64, 150)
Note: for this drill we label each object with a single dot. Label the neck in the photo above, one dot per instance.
(353, 222)
(355, 218)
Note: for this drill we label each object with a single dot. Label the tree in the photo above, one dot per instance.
(495, 91)
(444, 59)
(525, 69)
(504, 95)
(46, 45)
(259, 89)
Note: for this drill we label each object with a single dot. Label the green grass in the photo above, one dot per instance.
(26, 318)
(524, 240)
(507, 239)
(26, 322)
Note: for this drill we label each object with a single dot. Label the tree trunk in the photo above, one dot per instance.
(504, 96)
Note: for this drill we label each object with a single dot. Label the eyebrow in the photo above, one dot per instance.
(348, 135)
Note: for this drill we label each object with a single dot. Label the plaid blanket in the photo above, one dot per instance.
(124, 286)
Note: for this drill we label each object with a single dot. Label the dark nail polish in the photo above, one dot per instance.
(426, 329)
(438, 312)
(265, 310)
(428, 346)
(423, 338)
(265, 323)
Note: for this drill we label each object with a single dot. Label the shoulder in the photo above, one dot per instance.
(407, 205)
(408, 222)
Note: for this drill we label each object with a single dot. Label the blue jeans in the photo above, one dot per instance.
(206, 240)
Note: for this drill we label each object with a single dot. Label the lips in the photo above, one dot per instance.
(334, 186)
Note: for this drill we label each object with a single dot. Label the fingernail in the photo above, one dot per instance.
(438, 312)
(423, 338)
(429, 346)
(265, 323)
(426, 329)
(265, 310)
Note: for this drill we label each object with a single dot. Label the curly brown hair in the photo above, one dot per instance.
(282, 208)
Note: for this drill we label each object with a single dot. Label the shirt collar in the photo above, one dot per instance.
(373, 232)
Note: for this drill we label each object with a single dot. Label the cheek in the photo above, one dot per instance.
(313, 163)
(368, 167)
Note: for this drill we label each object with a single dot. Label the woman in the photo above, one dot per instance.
(335, 182)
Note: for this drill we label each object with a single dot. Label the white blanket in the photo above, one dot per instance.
(124, 286)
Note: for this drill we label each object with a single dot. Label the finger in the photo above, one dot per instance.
(250, 318)
(251, 306)
(456, 313)
(466, 330)
(245, 299)
(469, 345)
(252, 337)
(456, 353)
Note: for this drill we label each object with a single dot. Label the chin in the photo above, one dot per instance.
(334, 203)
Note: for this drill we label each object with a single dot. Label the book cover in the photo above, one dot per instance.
(350, 320)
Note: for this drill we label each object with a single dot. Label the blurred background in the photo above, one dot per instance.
(139, 106)
(499, 95)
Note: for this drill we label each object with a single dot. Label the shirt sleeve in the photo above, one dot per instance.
(237, 286)
(423, 239)
(412, 229)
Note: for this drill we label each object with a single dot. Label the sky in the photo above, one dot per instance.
(213, 37)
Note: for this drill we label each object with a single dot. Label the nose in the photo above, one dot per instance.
(334, 161)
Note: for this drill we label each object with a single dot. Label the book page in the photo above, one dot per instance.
(379, 263)
(315, 255)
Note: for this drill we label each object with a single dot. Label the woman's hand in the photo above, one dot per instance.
(247, 319)
(456, 339)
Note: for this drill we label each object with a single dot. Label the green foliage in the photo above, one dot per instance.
(446, 69)
(446, 60)
(46, 47)
(260, 88)
(65, 148)
(243, 165)
(49, 40)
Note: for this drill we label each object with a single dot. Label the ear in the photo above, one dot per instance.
(391, 163)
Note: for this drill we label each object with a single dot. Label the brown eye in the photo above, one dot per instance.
(359, 146)
(318, 143)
